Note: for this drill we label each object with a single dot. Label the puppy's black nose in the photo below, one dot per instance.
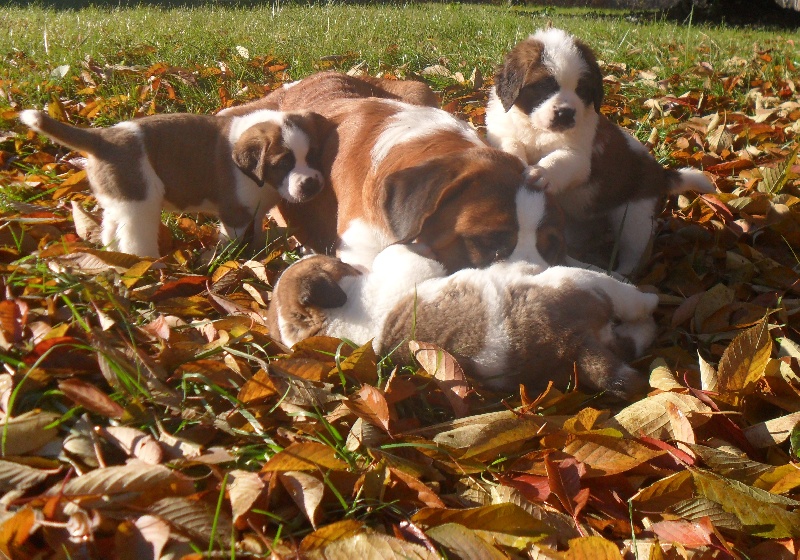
(563, 117)
(309, 187)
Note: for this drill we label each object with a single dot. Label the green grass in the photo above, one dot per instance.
(309, 38)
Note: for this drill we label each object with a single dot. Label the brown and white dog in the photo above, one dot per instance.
(400, 172)
(324, 86)
(545, 109)
(234, 167)
(509, 323)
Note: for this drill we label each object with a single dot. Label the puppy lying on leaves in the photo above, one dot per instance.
(510, 323)
(236, 168)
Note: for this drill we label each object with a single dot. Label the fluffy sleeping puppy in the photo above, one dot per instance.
(545, 109)
(236, 168)
(324, 86)
(507, 324)
(400, 172)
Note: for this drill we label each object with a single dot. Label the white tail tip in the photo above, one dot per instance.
(693, 180)
(31, 118)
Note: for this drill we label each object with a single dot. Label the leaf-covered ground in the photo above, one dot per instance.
(147, 413)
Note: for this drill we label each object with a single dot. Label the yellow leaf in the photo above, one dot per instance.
(743, 363)
(592, 548)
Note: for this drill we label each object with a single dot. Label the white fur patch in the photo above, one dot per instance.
(531, 208)
(361, 243)
(635, 223)
(297, 140)
(240, 124)
(31, 119)
(412, 122)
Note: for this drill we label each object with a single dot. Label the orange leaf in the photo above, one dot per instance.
(308, 456)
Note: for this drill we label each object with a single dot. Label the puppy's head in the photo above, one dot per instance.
(551, 77)
(471, 209)
(284, 153)
(303, 294)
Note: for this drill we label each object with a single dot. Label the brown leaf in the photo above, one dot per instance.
(331, 533)
(503, 518)
(565, 483)
(362, 365)
(421, 491)
(135, 443)
(258, 388)
(91, 398)
(306, 491)
(446, 371)
(370, 405)
(244, 488)
(744, 362)
(684, 532)
(308, 456)
(143, 539)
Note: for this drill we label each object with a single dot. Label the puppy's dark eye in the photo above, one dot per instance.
(536, 93)
(486, 249)
(588, 90)
(283, 163)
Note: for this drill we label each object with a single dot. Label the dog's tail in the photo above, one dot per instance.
(688, 179)
(84, 139)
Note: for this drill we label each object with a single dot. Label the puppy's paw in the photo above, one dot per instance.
(548, 178)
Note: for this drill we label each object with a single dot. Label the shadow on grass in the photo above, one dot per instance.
(732, 13)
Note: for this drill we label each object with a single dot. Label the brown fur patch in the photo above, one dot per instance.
(325, 86)
(441, 188)
(567, 323)
(302, 294)
(455, 320)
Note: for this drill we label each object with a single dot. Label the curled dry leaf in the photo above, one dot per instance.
(91, 398)
(649, 416)
(143, 539)
(27, 432)
(306, 491)
(446, 371)
(370, 405)
(135, 443)
(244, 488)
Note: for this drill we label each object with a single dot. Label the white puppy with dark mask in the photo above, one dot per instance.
(545, 109)
(236, 168)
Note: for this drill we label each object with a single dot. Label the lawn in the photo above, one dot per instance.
(146, 411)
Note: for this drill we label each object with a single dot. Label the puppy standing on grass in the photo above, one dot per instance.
(507, 324)
(236, 168)
(545, 109)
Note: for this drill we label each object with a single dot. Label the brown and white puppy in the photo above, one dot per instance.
(400, 172)
(545, 109)
(509, 323)
(324, 86)
(234, 167)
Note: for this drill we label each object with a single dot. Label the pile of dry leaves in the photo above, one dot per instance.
(147, 413)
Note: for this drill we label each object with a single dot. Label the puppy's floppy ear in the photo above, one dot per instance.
(320, 289)
(409, 196)
(590, 86)
(250, 155)
(510, 78)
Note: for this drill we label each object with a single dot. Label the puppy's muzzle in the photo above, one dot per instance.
(303, 184)
(563, 118)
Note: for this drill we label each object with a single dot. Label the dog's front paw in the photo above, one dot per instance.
(537, 178)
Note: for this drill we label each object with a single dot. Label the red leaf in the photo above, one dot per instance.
(565, 483)
(182, 287)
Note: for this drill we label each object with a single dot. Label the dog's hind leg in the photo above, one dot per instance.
(635, 224)
(137, 225)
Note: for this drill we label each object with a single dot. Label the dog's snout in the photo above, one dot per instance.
(563, 117)
(310, 186)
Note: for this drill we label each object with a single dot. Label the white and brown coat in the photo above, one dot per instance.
(236, 168)
(545, 109)
(507, 324)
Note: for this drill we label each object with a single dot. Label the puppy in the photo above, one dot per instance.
(545, 109)
(324, 86)
(234, 167)
(509, 323)
(400, 172)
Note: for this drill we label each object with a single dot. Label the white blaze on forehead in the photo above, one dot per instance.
(240, 124)
(411, 122)
(561, 56)
(531, 207)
